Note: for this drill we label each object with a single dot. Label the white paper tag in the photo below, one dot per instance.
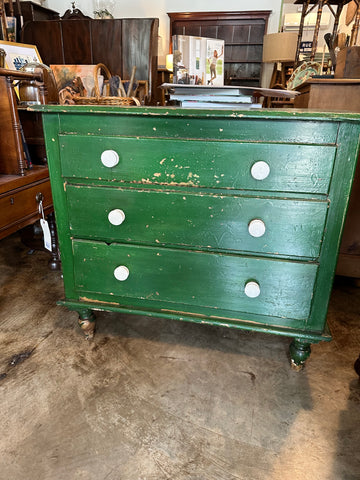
(47, 237)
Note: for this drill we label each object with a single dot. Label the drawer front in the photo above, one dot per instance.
(21, 203)
(214, 164)
(247, 224)
(176, 278)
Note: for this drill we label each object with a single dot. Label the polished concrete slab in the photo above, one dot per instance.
(151, 399)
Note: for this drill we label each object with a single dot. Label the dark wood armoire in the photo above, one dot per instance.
(119, 43)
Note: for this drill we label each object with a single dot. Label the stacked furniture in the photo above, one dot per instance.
(231, 218)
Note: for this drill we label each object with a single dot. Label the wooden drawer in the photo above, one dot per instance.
(291, 168)
(217, 222)
(20, 204)
(180, 278)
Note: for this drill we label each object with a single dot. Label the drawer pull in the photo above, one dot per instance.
(252, 289)
(121, 273)
(116, 217)
(256, 228)
(260, 170)
(109, 158)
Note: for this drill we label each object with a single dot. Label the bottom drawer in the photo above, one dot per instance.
(177, 278)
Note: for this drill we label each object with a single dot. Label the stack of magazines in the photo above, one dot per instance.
(225, 97)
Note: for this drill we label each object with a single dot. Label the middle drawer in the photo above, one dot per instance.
(237, 223)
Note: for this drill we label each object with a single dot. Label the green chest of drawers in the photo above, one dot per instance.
(227, 218)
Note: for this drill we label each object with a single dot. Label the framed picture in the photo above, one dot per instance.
(11, 29)
(19, 54)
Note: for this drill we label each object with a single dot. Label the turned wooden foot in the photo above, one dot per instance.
(87, 323)
(299, 351)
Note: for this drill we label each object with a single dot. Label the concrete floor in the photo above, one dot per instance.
(151, 399)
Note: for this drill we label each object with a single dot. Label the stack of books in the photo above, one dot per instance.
(225, 97)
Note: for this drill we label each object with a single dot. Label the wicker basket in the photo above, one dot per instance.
(101, 100)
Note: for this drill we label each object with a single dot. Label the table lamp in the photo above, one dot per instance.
(279, 48)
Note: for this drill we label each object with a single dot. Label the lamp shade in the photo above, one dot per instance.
(280, 47)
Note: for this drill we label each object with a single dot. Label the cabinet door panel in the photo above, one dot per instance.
(51, 50)
(106, 44)
(193, 278)
(284, 227)
(76, 42)
(293, 168)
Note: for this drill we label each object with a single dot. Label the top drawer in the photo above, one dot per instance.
(197, 163)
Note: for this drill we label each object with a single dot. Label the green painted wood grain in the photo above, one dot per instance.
(51, 129)
(157, 125)
(195, 278)
(293, 168)
(293, 227)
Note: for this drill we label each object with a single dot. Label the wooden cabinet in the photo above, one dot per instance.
(205, 216)
(118, 43)
(242, 32)
(31, 11)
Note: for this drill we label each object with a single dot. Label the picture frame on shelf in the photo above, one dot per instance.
(19, 54)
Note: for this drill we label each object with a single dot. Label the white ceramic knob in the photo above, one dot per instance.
(116, 217)
(256, 228)
(260, 170)
(121, 273)
(252, 289)
(109, 158)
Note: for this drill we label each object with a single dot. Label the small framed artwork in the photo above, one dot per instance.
(11, 29)
(19, 54)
